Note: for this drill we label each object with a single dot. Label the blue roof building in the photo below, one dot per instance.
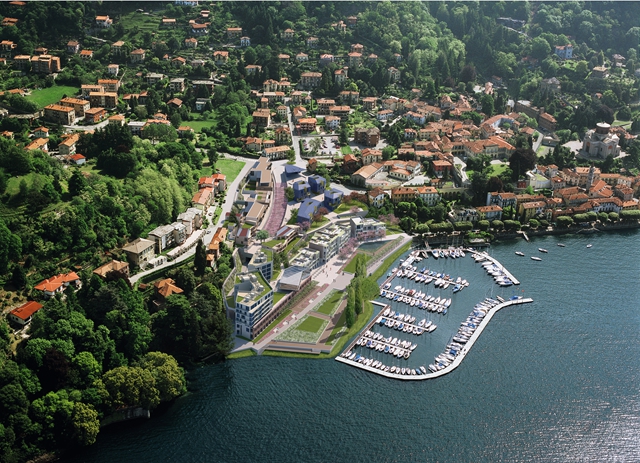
(318, 184)
(301, 190)
(292, 171)
(332, 198)
(308, 209)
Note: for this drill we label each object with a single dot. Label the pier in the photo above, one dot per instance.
(498, 264)
(449, 368)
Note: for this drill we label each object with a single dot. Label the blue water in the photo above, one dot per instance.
(553, 381)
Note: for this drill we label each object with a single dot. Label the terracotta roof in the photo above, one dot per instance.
(26, 310)
(167, 287)
(53, 283)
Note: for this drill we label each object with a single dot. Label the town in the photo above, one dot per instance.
(247, 172)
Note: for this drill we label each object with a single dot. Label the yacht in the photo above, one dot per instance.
(589, 245)
(520, 253)
(535, 258)
(542, 250)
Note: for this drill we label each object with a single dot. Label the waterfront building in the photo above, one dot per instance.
(328, 241)
(253, 301)
(366, 228)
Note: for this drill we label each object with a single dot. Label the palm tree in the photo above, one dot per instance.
(316, 143)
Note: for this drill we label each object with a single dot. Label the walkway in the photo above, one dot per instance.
(277, 209)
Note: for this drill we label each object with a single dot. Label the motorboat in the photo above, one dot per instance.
(519, 253)
(535, 258)
(589, 245)
(561, 245)
(542, 250)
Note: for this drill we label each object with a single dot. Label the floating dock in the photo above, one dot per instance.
(452, 366)
(497, 264)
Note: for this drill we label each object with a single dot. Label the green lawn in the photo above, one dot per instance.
(230, 168)
(241, 354)
(330, 303)
(291, 245)
(277, 296)
(322, 222)
(311, 324)
(198, 125)
(344, 207)
(351, 266)
(13, 185)
(346, 150)
(47, 96)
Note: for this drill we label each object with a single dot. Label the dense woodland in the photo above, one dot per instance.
(107, 347)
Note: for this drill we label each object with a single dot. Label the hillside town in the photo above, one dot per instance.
(181, 156)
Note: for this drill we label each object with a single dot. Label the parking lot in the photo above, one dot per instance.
(329, 146)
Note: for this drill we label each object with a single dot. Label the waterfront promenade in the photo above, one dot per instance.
(328, 278)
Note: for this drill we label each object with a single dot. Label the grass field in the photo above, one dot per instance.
(311, 324)
(47, 96)
(351, 266)
(344, 207)
(330, 303)
(346, 150)
(13, 185)
(241, 354)
(198, 125)
(230, 168)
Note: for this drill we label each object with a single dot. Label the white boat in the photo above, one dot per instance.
(535, 258)
(542, 250)
(589, 245)
(520, 253)
(423, 369)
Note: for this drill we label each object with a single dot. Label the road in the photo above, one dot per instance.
(85, 128)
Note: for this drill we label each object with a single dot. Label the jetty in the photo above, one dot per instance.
(497, 264)
(449, 368)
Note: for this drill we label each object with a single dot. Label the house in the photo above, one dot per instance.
(276, 152)
(140, 251)
(317, 184)
(41, 132)
(302, 57)
(376, 197)
(310, 79)
(57, 284)
(95, 115)
(73, 47)
(288, 35)
(78, 104)
(103, 22)
(340, 76)
(167, 287)
(178, 62)
(394, 74)
(68, 145)
(312, 42)
(213, 250)
(169, 22)
(201, 103)
(329, 241)
(38, 144)
(185, 131)
(332, 198)
(301, 190)
(369, 103)
(326, 59)
(355, 59)
(367, 136)
(203, 198)
(251, 69)
(22, 315)
(261, 174)
(428, 194)
(46, 64)
(490, 213)
(234, 32)
(340, 111)
(175, 103)
(403, 194)
(108, 100)
(599, 72)
(308, 209)
(307, 124)
(177, 84)
(563, 51)
(113, 266)
(137, 56)
(59, 114)
(154, 77)
(113, 69)
(220, 57)
(367, 229)
(366, 173)
(77, 159)
(199, 29)
(245, 41)
(116, 47)
(331, 123)
(86, 54)
(191, 42)
(261, 117)
(116, 119)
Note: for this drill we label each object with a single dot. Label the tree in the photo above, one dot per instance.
(85, 424)
(262, 235)
(130, 387)
(350, 316)
(564, 221)
(77, 183)
(521, 161)
(169, 377)
(200, 261)
(357, 295)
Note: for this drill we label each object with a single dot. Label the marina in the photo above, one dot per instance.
(393, 345)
